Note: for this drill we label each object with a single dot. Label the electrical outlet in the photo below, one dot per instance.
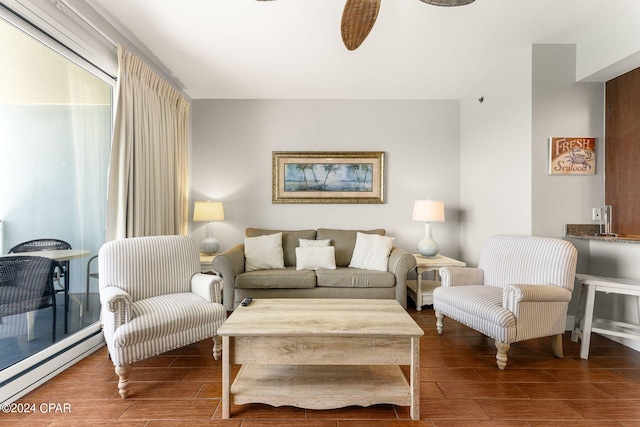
(596, 214)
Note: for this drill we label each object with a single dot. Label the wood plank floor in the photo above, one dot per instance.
(460, 386)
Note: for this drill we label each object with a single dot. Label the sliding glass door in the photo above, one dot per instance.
(55, 133)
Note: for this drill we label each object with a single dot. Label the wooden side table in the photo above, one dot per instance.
(421, 291)
(206, 262)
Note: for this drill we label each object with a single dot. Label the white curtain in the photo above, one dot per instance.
(148, 171)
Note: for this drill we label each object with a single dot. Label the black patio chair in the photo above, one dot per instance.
(62, 272)
(26, 285)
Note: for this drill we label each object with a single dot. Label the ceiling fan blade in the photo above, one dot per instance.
(448, 2)
(358, 18)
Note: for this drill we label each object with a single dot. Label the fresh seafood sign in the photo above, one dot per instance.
(572, 156)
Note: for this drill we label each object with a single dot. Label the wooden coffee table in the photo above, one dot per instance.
(321, 354)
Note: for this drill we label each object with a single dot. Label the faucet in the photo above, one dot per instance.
(608, 218)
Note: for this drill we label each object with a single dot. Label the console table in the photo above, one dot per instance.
(421, 291)
(585, 323)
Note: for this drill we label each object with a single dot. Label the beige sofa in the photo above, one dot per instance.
(290, 282)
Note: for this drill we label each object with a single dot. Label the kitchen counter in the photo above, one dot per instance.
(588, 232)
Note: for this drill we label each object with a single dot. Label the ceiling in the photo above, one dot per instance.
(292, 49)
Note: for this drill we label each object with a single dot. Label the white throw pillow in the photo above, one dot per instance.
(305, 243)
(371, 252)
(263, 252)
(315, 257)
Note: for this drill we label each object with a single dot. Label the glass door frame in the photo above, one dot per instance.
(26, 375)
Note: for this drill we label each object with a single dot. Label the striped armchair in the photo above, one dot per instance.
(519, 291)
(154, 299)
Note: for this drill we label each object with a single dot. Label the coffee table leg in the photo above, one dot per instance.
(415, 378)
(226, 377)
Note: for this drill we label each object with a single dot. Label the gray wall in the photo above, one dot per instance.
(504, 148)
(563, 107)
(231, 162)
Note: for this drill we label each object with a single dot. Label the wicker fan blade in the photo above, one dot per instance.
(358, 18)
(448, 2)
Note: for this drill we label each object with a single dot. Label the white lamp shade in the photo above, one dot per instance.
(208, 211)
(428, 210)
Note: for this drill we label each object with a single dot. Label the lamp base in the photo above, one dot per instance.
(428, 248)
(209, 245)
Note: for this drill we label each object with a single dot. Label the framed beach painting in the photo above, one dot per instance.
(328, 176)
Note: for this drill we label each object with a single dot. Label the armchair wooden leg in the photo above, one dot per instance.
(439, 324)
(124, 383)
(556, 345)
(501, 355)
(217, 347)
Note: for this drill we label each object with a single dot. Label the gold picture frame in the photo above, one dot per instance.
(328, 177)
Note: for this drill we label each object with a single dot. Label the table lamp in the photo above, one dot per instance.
(429, 211)
(208, 211)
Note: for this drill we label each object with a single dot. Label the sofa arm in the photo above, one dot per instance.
(401, 263)
(207, 286)
(229, 264)
(461, 276)
(117, 301)
(512, 295)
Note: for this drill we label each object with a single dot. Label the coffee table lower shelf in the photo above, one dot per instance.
(321, 386)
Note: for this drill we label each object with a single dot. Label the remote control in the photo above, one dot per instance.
(245, 302)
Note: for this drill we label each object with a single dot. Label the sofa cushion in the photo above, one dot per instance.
(289, 241)
(314, 258)
(305, 243)
(344, 241)
(289, 278)
(371, 252)
(345, 277)
(263, 252)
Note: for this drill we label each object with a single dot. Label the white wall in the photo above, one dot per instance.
(611, 50)
(495, 159)
(233, 141)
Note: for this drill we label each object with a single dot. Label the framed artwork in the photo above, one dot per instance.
(572, 156)
(328, 176)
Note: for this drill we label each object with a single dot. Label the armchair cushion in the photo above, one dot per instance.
(479, 307)
(165, 316)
